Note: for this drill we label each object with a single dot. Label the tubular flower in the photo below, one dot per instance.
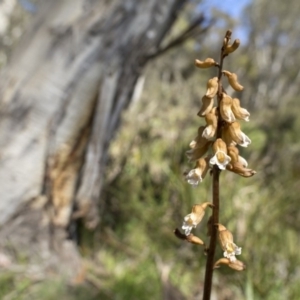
(238, 164)
(225, 108)
(207, 63)
(212, 87)
(239, 112)
(198, 152)
(195, 217)
(235, 265)
(233, 81)
(239, 169)
(207, 105)
(189, 238)
(233, 47)
(212, 123)
(199, 141)
(198, 173)
(233, 152)
(232, 134)
(194, 240)
(221, 159)
(226, 240)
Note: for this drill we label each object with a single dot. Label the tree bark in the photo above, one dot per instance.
(62, 94)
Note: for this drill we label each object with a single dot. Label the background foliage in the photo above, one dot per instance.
(134, 254)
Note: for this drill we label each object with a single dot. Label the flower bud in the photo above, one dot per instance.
(207, 105)
(231, 48)
(233, 81)
(212, 87)
(239, 112)
(225, 108)
(207, 63)
(194, 240)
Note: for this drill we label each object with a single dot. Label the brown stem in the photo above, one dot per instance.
(215, 194)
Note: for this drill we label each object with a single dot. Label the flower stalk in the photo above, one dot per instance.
(215, 148)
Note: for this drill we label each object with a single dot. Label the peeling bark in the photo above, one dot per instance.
(62, 93)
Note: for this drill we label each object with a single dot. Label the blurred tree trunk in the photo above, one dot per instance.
(62, 94)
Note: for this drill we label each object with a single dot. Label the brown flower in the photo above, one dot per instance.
(195, 217)
(207, 105)
(221, 159)
(197, 174)
(211, 119)
(225, 109)
(239, 112)
(235, 265)
(232, 134)
(226, 241)
(212, 87)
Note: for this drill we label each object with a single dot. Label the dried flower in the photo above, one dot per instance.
(238, 164)
(212, 123)
(195, 217)
(189, 238)
(221, 159)
(232, 134)
(233, 152)
(233, 81)
(198, 141)
(226, 240)
(207, 105)
(239, 112)
(212, 87)
(235, 265)
(194, 239)
(207, 63)
(231, 48)
(239, 169)
(197, 152)
(225, 108)
(199, 146)
(197, 174)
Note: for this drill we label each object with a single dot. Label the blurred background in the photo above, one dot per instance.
(132, 252)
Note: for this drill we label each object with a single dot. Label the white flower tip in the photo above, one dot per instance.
(193, 177)
(192, 144)
(245, 140)
(221, 165)
(238, 251)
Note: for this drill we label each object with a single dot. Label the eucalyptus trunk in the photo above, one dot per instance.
(62, 93)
